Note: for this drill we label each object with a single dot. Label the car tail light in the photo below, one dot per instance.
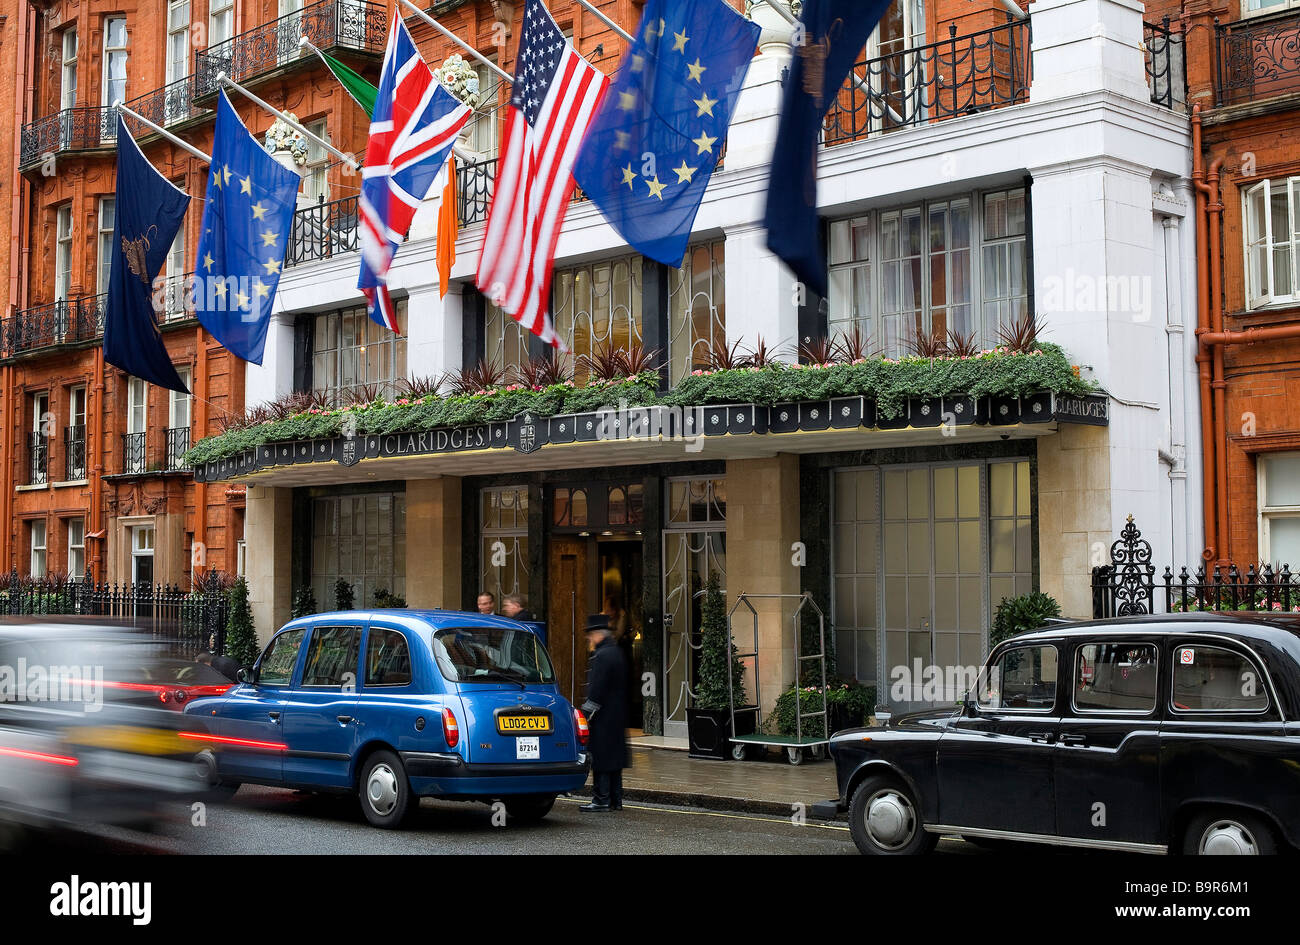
(580, 721)
(450, 728)
(164, 696)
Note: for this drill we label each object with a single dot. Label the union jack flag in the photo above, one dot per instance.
(555, 96)
(412, 131)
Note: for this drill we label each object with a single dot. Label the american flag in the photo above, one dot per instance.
(412, 131)
(555, 96)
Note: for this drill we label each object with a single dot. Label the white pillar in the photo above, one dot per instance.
(274, 377)
(1082, 46)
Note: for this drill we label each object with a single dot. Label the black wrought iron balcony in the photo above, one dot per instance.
(169, 105)
(962, 75)
(474, 190)
(1257, 58)
(74, 453)
(323, 230)
(71, 321)
(329, 24)
(172, 298)
(178, 443)
(83, 128)
(1166, 64)
(134, 453)
(38, 454)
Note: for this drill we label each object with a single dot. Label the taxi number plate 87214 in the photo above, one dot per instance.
(520, 724)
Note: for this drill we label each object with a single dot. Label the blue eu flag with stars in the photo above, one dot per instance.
(246, 220)
(649, 154)
(149, 212)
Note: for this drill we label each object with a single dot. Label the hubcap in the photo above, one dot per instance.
(1227, 837)
(891, 820)
(381, 789)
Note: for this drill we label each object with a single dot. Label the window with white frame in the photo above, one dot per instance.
(63, 253)
(174, 272)
(483, 126)
(136, 405)
(178, 40)
(1271, 231)
(36, 562)
(351, 353)
(115, 56)
(142, 544)
(104, 244)
(1278, 493)
(76, 548)
(68, 88)
(315, 183)
(178, 414)
(221, 21)
(952, 266)
(1263, 7)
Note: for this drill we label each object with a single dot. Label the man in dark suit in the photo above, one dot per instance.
(606, 709)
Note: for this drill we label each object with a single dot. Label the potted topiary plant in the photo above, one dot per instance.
(1022, 614)
(708, 719)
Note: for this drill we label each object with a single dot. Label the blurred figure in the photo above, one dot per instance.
(223, 664)
(487, 602)
(513, 608)
(606, 709)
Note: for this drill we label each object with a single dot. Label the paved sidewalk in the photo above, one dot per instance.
(768, 786)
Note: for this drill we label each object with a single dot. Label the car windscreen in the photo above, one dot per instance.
(492, 654)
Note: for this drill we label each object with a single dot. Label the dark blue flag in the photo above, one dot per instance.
(651, 150)
(831, 35)
(149, 211)
(246, 220)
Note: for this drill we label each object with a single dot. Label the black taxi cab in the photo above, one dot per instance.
(1160, 734)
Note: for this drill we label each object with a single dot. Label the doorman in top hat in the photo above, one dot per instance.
(606, 709)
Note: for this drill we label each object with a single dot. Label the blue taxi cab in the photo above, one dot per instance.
(395, 705)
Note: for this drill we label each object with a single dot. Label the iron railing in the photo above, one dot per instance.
(1165, 64)
(69, 321)
(1256, 58)
(173, 298)
(323, 230)
(474, 190)
(38, 456)
(1128, 584)
(329, 24)
(961, 75)
(82, 128)
(74, 453)
(190, 621)
(178, 443)
(135, 457)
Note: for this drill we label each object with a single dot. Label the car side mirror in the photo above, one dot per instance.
(247, 676)
(968, 703)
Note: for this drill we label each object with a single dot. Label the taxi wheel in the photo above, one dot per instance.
(205, 769)
(1228, 832)
(527, 808)
(384, 791)
(885, 819)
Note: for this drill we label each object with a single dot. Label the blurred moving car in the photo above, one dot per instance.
(395, 705)
(1173, 733)
(89, 737)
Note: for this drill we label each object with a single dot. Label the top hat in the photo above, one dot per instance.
(596, 622)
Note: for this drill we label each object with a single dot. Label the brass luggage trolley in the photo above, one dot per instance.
(797, 744)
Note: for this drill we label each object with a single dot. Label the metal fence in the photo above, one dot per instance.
(1128, 585)
(188, 621)
(1165, 64)
(1256, 58)
(322, 230)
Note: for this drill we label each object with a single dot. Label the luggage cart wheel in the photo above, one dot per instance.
(794, 756)
(738, 752)
(818, 752)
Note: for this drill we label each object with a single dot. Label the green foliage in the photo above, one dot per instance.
(1021, 614)
(241, 636)
(716, 647)
(886, 381)
(345, 597)
(384, 600)
(304, 603)
(846, 700)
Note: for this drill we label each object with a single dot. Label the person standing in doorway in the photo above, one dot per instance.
(606, 709)
(487, 603)
(512, 606)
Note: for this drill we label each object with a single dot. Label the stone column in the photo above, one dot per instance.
(433, 543)
(762, 525)
(1074, 521)
(268, 531)
(273, 378)
(1082, 46)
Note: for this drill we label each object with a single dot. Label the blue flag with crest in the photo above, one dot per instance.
(247, 216)
(148, 212)
(648, 155)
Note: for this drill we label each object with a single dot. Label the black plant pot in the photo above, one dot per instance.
(710, 731)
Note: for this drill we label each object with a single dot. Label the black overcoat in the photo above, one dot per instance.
(607, 688)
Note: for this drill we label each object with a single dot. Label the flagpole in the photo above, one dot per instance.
(207, 159)
(230, 83)
(606, 20)
(458, 41)
(456, 148)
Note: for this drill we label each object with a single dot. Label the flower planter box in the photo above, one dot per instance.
(709, 731)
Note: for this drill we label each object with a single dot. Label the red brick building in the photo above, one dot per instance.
(1243, 82)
